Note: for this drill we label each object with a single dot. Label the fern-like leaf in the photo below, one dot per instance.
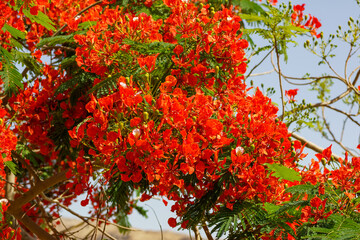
(11, 78)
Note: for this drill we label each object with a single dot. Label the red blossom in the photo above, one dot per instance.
(291, 94)
(172, 222)
(147, 63)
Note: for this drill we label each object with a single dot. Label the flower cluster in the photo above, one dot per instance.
(195, 124)
(307, 22)
(159, 104)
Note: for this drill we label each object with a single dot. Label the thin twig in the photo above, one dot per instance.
(347, 60)
(280, 82)
(356, 77)
(321, 104)
(312, 145)
(117, 225)
(27, 166)
(349, 116)
(303, 78)
(260, 74)
(58, 47)
(78, 14)
(162, 236)
(83, 219)
(257, 65)
(333, 135)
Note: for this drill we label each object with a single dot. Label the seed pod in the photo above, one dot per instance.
(146, 116)
(217, 69)
(252, 147)
(323, 161)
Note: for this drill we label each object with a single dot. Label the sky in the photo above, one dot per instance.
(331, 13)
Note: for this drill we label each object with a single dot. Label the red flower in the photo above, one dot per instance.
(178, 50)
(291, 94)
(148, 63)
(172, 222)
(84, 202)
(170, 81)
(34, 10)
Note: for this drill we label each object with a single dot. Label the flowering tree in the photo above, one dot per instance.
(127, 100)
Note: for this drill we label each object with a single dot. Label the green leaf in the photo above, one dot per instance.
(16, 43)
(11, 78)
(51, 41)
(87, 24)
(248, 6)
(283, 172)
(254, 18)
(305, 188)
(271, 208)
(16, 33)
(149, 48)
(27, 60)
(12, 166)
(298, 29)
(40, 18)
(4, 53)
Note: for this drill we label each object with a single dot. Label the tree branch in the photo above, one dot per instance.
(31, 225)
(83, 219)
(34, 191)
(257, 65)
(207, 232)
(78, 14)
(280, 82)
(311, 145)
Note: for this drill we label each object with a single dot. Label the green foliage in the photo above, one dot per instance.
(240, 223)
(274, 26)
(104, 87)
(196, 212)
(249, 7)
(60, 136)
(283, 172)
(337, 226)
(40, 18)
(78, 85)
(301, 114)
(14, 32)
(119, 194)
(322, 87)
(52, 41)
(158, 10)
(27, 60)
(150, 48)
(300, 189)
(9, 73)
(12, 167)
